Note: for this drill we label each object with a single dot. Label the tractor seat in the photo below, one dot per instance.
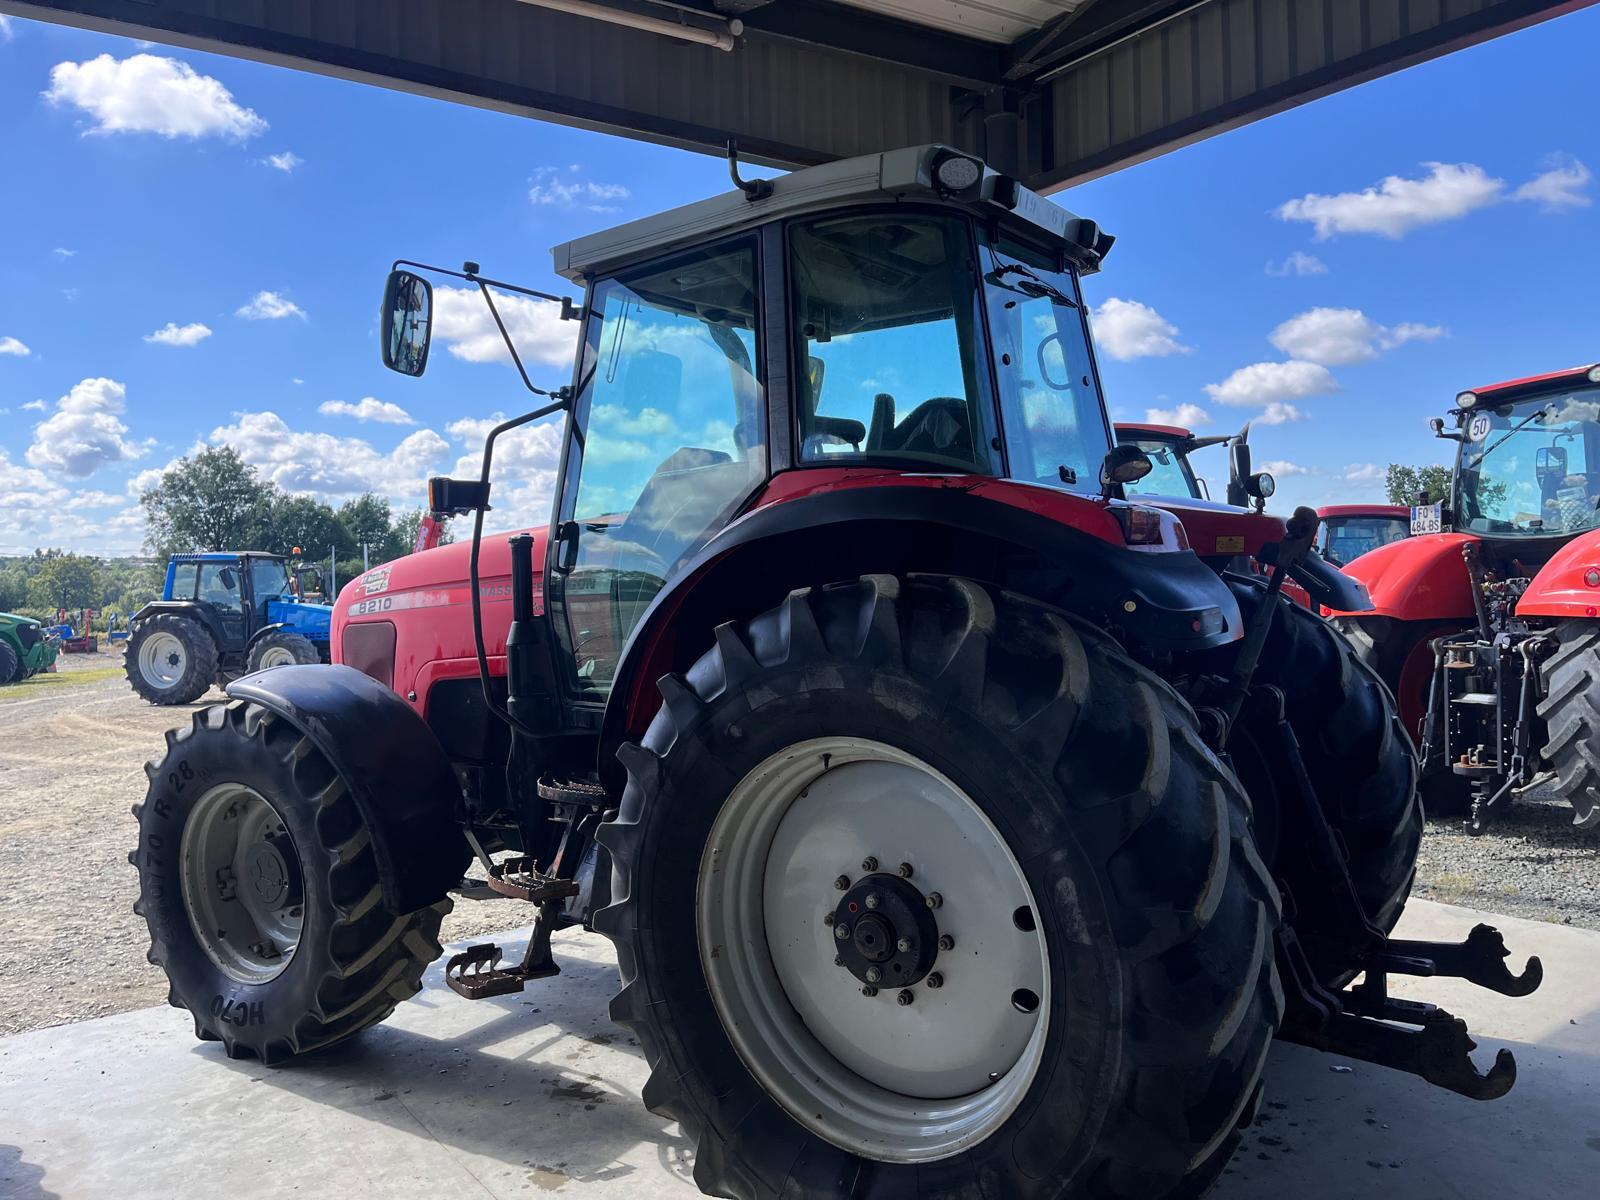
(937, 426)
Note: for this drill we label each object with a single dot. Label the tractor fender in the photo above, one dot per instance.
(397, 773)
(190, 610)
(1170, 601)
(1559, 589)
(1416, 579)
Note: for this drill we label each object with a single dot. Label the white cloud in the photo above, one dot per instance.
(1560, 187)
(35, 406)
(1126, 329)
(333, 468)
(1264, 383)
(285, 162)
(1395, 206)
(1339, 336)
(6, 30)
(1276, 413)
(461, 319)
(1298, 263)
(1363, 473)
(270, 306)
(524, 467)
(146, 93)
(84, 434)
(368, 408)
(41, 511)
(63, 252)
(1190, 416)
(1282, 468)
(173, 334)
(647, 421)
(563, 189)
(10, 345)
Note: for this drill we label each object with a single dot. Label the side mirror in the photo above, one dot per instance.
(407, 322)
(1123, 464)
(1239, 493)
(457, 496)
(1550, 463)
(1261, 485)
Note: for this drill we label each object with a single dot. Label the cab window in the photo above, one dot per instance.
(219, 585)
(268, 577)
(183, 577)
(1055, 426)
(889, 342)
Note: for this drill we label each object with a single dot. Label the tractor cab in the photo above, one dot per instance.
(1170, 449)
(1484, 621)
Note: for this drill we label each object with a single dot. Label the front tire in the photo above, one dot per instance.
(281, 648)
(1571, 712)
(170, 659)
(10, 665)
(259, 884)
(1091, 805)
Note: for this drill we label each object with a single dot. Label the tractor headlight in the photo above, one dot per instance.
(1466, 399)
(956, 174)
(1594, 374)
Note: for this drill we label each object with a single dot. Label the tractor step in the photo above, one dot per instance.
(521, 879)
(476, 972)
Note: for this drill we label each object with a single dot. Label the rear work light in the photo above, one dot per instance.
(1594, 374)
(1466, 399)
(1591, 577)
(1150, 528)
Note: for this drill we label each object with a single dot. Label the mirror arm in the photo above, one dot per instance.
(560, 394)
(570, 311)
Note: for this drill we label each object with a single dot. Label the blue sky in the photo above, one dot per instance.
(165, 282)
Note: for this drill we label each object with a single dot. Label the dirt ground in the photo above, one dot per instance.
(72, 751)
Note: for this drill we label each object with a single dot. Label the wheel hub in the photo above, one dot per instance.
(877, 917)
(274, 875)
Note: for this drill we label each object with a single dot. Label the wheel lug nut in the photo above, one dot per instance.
(946, 942)
(904, 998)
(828, 918)
(903, 945)
(869, 991)
(935, 900)
(874, 975)
(869, 864)
(841, 932)
(841, 883)
(838, 960)
(905, 871)
(872, 901)
(935, 980)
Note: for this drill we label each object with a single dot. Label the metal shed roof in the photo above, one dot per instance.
(999, 21)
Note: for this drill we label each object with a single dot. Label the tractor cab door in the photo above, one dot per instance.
(222, 588)
(269, 581)
(666, 443)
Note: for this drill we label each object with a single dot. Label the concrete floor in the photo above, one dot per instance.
(537, 1093)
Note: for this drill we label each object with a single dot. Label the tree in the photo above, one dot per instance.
(212, 501)
(291, 521)
(1404, 484)
(13, 589)
(370, 523)
(66, 581)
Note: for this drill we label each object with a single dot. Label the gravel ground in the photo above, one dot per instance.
(72, 750)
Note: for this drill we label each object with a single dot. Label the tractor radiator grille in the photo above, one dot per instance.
(29, 636)
(369, 648)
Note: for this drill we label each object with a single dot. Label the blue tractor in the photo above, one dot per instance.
(222, 615)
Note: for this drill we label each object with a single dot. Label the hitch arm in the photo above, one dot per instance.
(1481, 959)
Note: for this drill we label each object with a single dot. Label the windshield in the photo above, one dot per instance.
(1055, 426)
(1345, 539)
(1532, 467)
(268, 577)
(1170, 474)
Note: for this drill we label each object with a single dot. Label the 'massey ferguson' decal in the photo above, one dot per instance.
(376, 580)
(440, 598)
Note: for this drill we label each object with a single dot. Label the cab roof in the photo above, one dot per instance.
(1364, 510)
(225, 555)
(893, 175)
(1532, 384)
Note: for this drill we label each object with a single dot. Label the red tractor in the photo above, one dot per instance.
(945, 808)
(1487, 626)
(1351, 530)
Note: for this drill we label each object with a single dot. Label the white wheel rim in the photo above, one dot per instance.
(276, 656)
(246, 904)
(892, 1082)
(163, 660)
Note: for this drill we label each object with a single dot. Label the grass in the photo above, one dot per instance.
(1451, 887)
(59, 679)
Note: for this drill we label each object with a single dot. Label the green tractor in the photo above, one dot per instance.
(25, 649)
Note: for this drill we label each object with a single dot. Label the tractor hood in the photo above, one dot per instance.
(1216, 529)
(1418, 578)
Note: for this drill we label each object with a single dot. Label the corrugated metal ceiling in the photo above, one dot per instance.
(998, 21)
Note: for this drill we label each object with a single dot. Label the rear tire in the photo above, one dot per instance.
(280, 951)
(1571, 712)
(280, 649)
(1356, 752)
(10, 665)
(1155, 916)
(170, 659)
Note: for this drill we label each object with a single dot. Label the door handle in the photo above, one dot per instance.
(566, 546)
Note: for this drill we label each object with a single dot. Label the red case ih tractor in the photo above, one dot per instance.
(1351, 530)
(1487, 626)
(940, 803)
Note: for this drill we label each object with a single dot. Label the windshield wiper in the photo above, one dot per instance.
(1031, 285)
(1517, 428)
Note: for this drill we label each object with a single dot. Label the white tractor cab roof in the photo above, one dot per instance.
(926, 174)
